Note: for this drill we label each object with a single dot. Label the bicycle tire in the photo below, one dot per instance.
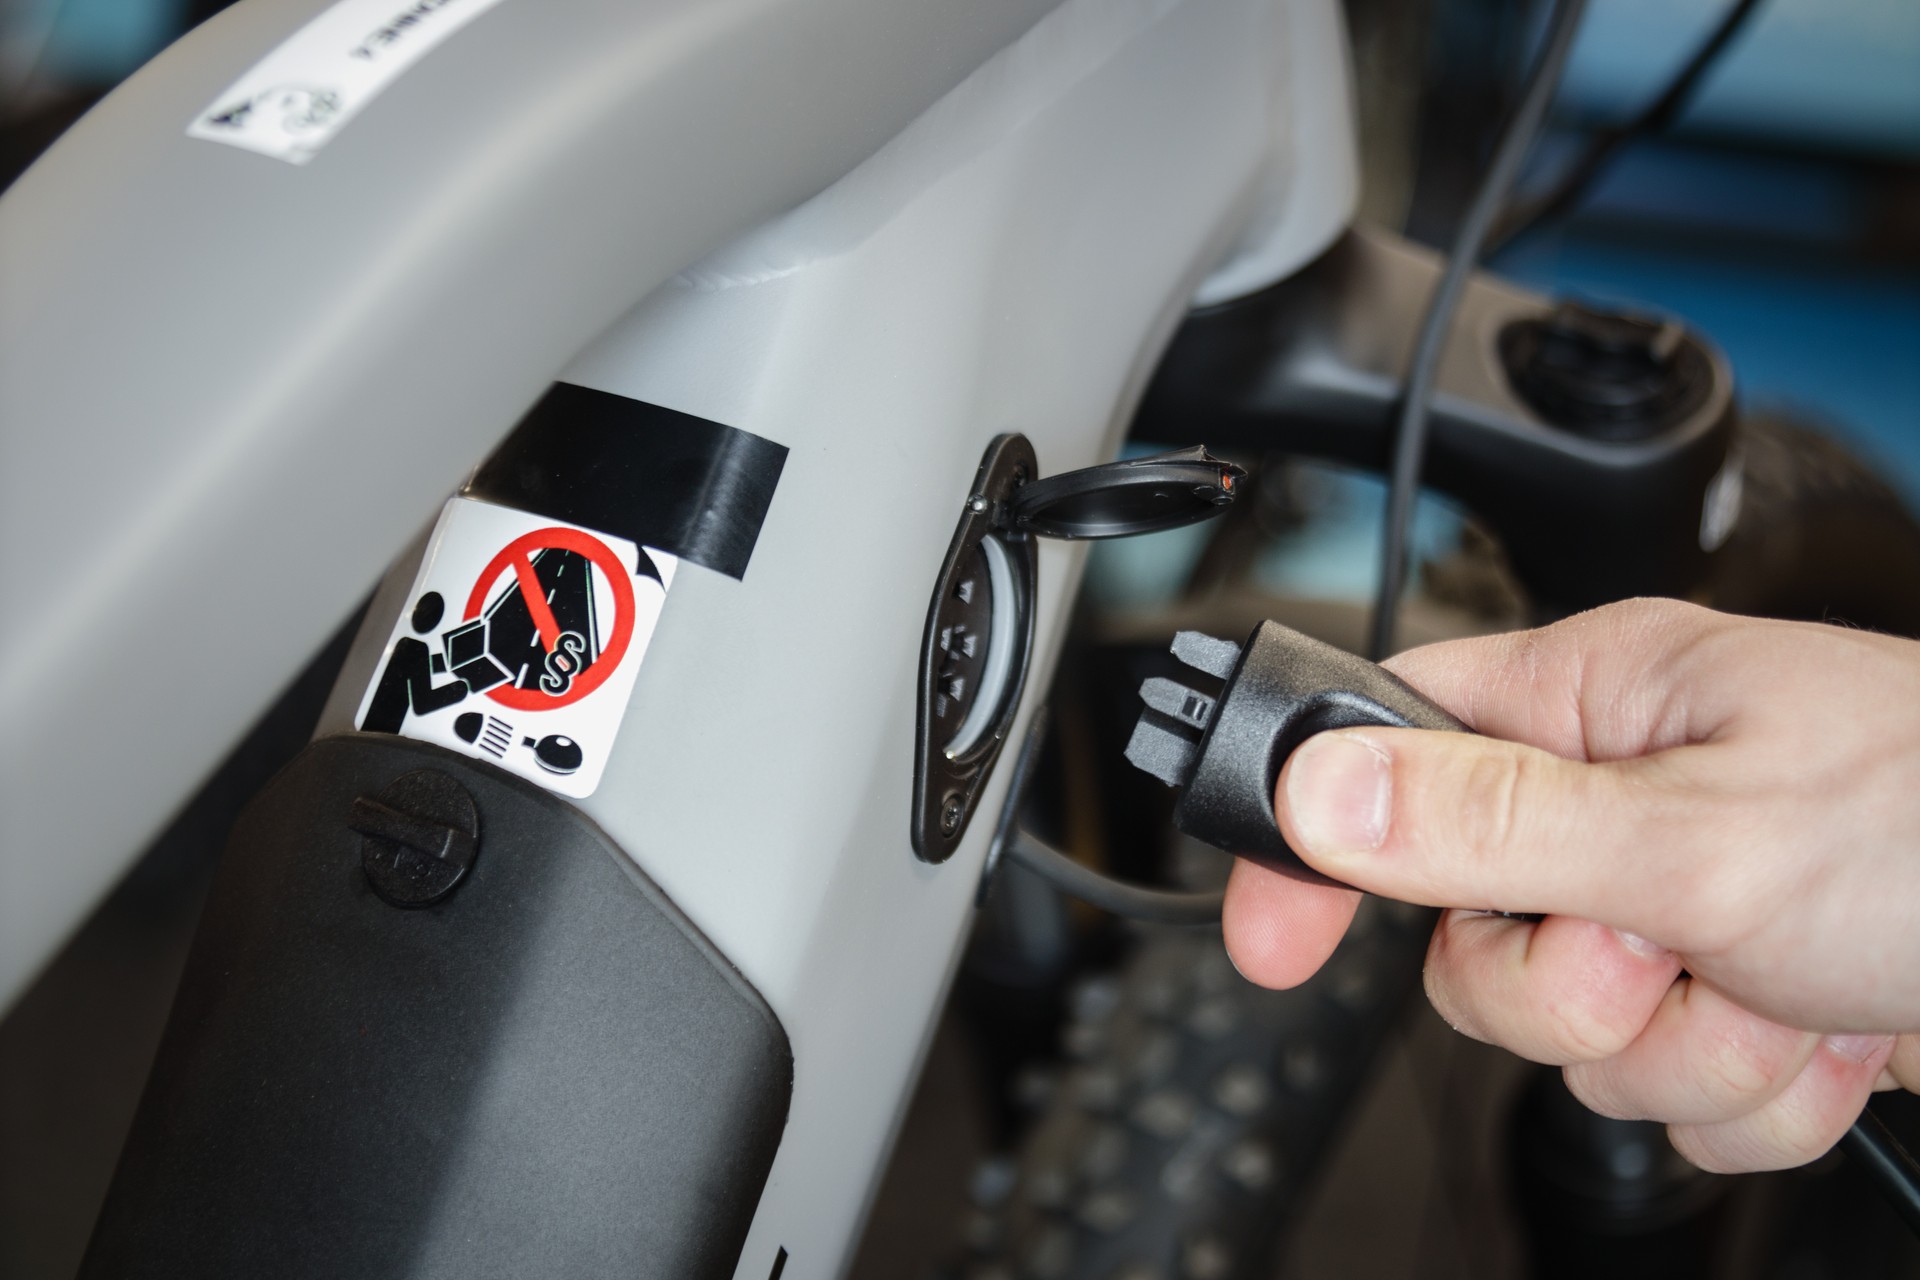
(1821, 537)
(1191, 1108)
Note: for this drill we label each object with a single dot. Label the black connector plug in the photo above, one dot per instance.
(1225, 752)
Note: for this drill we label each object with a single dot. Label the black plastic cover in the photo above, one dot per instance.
(1313, 366)
(1133, 495)
(549, 1073)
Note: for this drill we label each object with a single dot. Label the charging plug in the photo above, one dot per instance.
(1224, 751)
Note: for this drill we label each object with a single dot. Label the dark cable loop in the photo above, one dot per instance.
(1571, 187)
(1410, 426)
(1136, 902)
(1014, 843)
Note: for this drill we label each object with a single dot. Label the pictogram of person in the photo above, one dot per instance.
(407, 682)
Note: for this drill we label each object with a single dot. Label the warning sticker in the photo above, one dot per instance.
(290, 103)
(520, 643)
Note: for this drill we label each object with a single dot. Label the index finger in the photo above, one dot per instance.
(1596, 686)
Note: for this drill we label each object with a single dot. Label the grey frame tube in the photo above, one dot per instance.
(230, 386)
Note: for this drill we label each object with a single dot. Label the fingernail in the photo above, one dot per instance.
(1339, 793)
(1858, 1048)
(1641, 946)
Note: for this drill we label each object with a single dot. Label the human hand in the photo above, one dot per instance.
(1674, 789)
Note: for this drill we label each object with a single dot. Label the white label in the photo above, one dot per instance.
(519, 643)
(292, 102)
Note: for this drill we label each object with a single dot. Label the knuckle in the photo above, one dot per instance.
(1702, 873)
(1904, 1066)
(1698, 1147)
(1443, 990)
(1647, 619)
(1665, 609)
(1528, 655)
(1714, 869)
(1487, 804)
(1440, 994)
(1741, 1072)
(1707, 856)
(1798, 1127)
(1575, 1031)
(1796, 1135)
(1593, 1085)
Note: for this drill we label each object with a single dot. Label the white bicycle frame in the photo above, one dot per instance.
(877, 234)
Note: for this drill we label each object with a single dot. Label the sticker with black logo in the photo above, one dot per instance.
(520, 643)
(545, 578)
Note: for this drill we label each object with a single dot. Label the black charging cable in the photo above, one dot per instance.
(1873, 1147)
(1013, 842)
(1135, 902)
(1414, 410)
(1574, 182)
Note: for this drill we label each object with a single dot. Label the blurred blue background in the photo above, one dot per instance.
(1780, 216)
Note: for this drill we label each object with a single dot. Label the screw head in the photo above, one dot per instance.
(418, 837)
(951, 812)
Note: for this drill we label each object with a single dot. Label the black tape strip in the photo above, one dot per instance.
(655, 476)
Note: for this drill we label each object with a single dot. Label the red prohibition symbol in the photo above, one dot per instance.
(518, 556)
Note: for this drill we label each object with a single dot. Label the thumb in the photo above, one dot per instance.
(1458, 820)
